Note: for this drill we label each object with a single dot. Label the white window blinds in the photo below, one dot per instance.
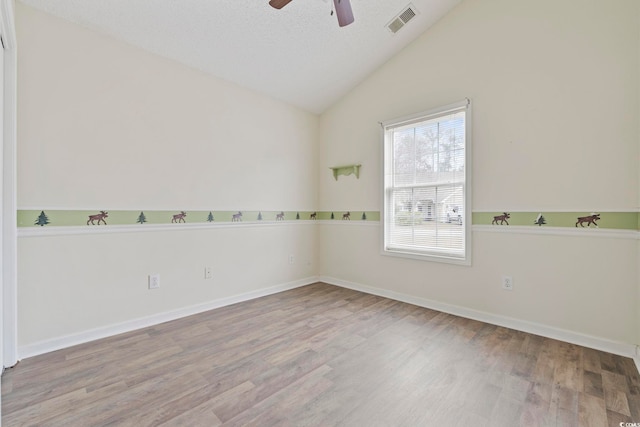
(426, 210)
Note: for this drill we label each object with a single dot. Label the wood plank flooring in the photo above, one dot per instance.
(323, 356)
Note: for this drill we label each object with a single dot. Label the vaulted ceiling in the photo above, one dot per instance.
(297, 54)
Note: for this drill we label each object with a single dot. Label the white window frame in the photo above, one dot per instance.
(426, 254)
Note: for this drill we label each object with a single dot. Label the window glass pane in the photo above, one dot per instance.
(426, 152)
(403, 157)
(425, 181)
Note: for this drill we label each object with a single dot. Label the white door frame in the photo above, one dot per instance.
(9, 232)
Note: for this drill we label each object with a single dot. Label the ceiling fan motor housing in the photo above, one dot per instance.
(344, 12)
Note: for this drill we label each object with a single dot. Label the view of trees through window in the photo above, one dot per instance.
(425, 185)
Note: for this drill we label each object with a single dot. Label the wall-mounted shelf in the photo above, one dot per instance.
(346, 170)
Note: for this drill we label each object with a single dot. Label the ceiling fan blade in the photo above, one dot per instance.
(279, 4)
(343, 11)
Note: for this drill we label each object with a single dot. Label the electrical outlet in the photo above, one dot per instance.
(154, 281)
(208, 273)
(507, 283)
(291, 259)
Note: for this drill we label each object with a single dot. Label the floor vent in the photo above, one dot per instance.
(399, 21)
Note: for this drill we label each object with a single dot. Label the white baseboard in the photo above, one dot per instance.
(143, 322)
(619, 348)
(598, 343)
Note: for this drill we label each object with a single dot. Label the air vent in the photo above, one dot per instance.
(407, 15)
(402, 18)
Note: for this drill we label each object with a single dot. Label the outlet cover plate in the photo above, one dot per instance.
(154, 281)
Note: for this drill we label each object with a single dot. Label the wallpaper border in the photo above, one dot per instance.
(44, 218)
(34, 222)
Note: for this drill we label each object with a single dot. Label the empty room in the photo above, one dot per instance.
(320, 213)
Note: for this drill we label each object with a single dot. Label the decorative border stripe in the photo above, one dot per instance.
(611, 220)
(142, 218)
(32, 218)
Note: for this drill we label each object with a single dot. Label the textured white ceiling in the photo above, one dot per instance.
(297, 54)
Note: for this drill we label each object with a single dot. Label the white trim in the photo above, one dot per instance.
(9, 199)
(356, 222)
(623, 349)
(8, 25)
(559, 231)
(143, 322)
(427, 257)
(481, 228)
(388, 126)
(136, 228)
(53, 344)
(468, 185)
(431, 113)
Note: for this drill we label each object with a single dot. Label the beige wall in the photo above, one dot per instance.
(103, 125)
(69, 285)
(554, 87)
(106, 124)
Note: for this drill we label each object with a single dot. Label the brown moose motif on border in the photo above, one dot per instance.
(98, 217)
(313, 215)
(280, 216)
(591, 219)
(236, 217)
(502, 218)
(179, 217)
(347, 216)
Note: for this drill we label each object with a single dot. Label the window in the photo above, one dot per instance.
(427, 209)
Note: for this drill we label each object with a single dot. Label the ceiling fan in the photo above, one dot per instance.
(343, 10)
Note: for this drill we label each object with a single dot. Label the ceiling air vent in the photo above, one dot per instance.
(403, 17)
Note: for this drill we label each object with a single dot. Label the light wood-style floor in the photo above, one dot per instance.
(323, 356)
